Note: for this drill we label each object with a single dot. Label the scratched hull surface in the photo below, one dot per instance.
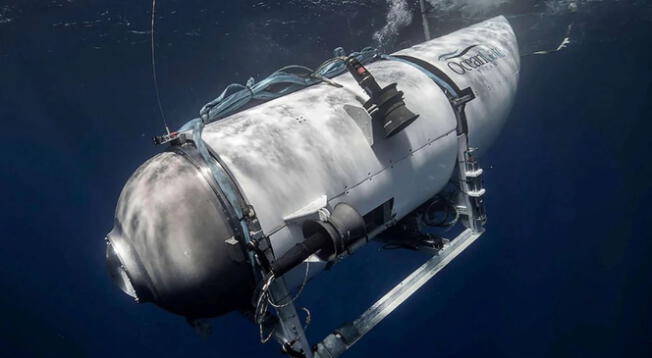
(291, 152)
(486, 58)
(288, 152)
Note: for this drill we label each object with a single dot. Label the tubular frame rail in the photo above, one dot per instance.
(290, 333)
(347, 335)
(470, 203)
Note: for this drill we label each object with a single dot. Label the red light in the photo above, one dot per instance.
(361, 70)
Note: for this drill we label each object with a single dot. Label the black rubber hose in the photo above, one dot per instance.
(300, 252)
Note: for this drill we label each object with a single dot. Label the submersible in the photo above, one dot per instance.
(235, 214)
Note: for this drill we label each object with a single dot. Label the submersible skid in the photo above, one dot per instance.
(182, 242)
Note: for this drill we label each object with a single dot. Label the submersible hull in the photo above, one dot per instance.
(177, 242)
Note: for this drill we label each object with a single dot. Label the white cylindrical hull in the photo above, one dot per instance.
(177, 239)
(288, 152)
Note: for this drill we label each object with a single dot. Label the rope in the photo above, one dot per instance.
(308, 318)
(261, 308)
(303, 284)
(280, 83)
(264, 300)
(153, 53)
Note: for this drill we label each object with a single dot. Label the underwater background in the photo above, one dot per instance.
(564, 269)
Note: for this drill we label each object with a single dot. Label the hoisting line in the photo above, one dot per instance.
(153, 53)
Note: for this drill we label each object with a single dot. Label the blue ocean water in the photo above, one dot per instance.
(564, 269)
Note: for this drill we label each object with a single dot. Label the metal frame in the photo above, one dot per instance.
(470, 204)
(289, 331)
(347, 335)
(425, 9)
(287, 327)
(292, 334)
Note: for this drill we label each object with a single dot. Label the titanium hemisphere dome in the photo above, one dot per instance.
(168, 243)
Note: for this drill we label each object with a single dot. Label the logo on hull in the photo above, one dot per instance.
(471, 58)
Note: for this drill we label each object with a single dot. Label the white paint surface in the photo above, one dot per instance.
(291, 150)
